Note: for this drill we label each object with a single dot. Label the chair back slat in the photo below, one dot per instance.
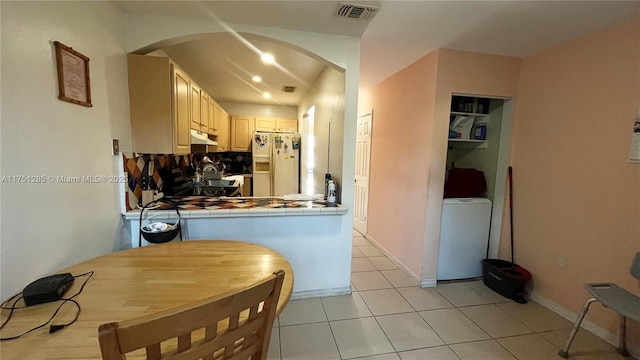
(635, 266)
(235, 325)
(184, 342)
(154, 352)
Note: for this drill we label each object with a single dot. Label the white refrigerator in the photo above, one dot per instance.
(276, 163)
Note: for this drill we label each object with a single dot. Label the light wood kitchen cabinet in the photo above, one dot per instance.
(159, 102)
(241, 132)
(222, 121)
(212, 123)
(271, 124)
(246, 187)
(287, 125)
(182, 133)
(265, 124)
(196, 98)
(204, 112)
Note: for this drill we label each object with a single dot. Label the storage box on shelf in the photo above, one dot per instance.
(468, 119)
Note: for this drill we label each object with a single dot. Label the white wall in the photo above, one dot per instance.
(49, 226)
(327, 95)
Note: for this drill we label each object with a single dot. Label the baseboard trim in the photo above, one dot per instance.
(296, 295)
(428, 283)
(400, 265)
(600, 332)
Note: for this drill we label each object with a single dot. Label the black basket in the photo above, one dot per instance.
(158, 237)
(505, 278)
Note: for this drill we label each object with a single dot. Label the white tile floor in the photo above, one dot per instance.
(388, 317)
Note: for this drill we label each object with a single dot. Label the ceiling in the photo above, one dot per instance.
(224, 67)
(400, 33)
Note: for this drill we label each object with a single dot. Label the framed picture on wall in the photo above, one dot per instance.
(73, 75)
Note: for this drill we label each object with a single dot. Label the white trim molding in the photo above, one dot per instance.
(400, 265)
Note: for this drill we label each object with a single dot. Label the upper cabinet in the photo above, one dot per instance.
(265, 124)
(180, 97)
(287, 125)
(212, 123)
(165, 105)
(241, 132)
(271, 124)
(196, 98)
(157, 127)
(204, 112)
(222, 122)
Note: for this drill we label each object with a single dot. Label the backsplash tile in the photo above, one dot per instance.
(133, 166)
(235, 163)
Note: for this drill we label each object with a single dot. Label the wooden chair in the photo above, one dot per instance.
(237, 325)
(611, 296)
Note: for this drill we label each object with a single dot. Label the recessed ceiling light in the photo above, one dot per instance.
(267, 58)
(266, 95)
(256, 79)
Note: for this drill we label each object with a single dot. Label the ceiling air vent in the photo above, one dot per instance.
(288, 88)
(354, 11)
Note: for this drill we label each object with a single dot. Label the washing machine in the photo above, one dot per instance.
(464, 234)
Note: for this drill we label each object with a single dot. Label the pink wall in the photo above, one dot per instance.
(575, 193)
(467, 73)
(409, 146)
(403, 107)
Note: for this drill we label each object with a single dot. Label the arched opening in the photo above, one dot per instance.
(224, 65)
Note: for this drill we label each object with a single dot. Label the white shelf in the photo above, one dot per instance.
(471, 143)
(467, 140)
(468, 114)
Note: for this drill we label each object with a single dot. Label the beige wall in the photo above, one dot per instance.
(403, 108)
(49, 226)
(575, 193)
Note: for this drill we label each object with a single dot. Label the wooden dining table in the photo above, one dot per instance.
(136, 282)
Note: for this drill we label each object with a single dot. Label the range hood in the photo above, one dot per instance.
(198, 138)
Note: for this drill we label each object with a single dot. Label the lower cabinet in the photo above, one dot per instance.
(246, 187)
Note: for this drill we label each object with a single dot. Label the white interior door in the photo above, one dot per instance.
(363, 157)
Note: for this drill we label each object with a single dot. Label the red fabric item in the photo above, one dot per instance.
(465, 183)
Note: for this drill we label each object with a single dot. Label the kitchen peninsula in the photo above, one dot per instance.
(306, 233)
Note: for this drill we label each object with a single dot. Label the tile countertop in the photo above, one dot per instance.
(191, 207)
